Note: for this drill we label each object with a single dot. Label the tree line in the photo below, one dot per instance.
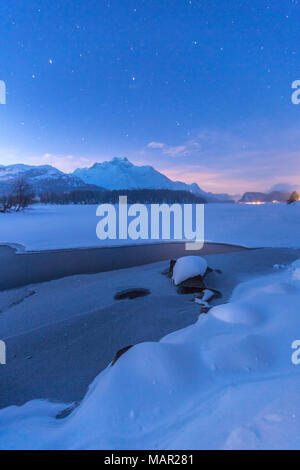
(21, 196)
(143, 196)
(294, 197)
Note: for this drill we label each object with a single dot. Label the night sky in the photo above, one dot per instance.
(199, 89)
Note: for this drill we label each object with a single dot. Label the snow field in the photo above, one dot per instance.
(45, 227)
(225, 382)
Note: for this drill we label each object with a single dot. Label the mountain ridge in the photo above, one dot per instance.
(116, 174)
(120, 173)
(41, 178)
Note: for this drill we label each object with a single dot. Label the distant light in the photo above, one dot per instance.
(254, 202)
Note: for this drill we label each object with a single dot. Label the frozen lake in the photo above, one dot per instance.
(52, 227)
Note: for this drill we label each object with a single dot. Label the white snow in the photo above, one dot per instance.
(49, 227)
(226, 382)
(10, 172)
(206, 296)
(120, 173)
(188, 266)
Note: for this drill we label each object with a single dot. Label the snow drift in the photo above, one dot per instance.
(226, 382)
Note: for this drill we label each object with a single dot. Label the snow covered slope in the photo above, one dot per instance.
(40, 178)
(230, 381)
(120, 173)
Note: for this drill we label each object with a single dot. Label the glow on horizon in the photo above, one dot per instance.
(216, 182)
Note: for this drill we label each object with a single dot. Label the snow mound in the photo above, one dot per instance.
(237, 313)
(225, 382)
(188, 266)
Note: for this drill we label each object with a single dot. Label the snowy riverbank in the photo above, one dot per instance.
(227, 381)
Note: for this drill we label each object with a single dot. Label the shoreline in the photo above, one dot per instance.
(19, 269)
(19, 248)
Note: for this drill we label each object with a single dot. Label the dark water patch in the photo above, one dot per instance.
(120, 353)
(192, 285)
(20, 269)
(131, 293)
(67, 411)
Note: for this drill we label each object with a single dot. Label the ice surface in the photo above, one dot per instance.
(49, 227)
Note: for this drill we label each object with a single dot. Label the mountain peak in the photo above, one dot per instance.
(121, 161)
(120, 173)
(114, 162)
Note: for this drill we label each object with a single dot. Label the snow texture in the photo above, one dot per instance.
(225, 382)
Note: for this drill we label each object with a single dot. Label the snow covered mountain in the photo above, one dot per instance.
(120, 173)
(40, 178)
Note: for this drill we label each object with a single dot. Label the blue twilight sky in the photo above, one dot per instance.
(199, 89)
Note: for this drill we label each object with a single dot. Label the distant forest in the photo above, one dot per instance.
(143, 196)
